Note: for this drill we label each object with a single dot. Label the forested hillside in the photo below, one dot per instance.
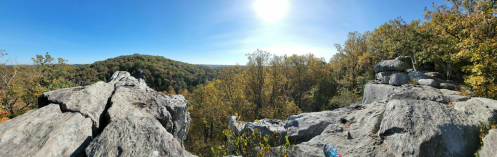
(22, 84)
(160, 73)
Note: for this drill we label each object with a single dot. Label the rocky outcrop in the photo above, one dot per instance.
(427, 128)
(135, 136)
(90, 100)
(407, 120)
(45, 132)
(490, 147)
(121, 117)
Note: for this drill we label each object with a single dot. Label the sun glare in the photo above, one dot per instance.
(271, 10)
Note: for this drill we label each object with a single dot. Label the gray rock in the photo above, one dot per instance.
(136, 121)
(418, 93)
(402, 120)
(363, 127)
(377, 92)
(380, 75)
(435, 75)
(391, 65)
(475, 110)
(405, 59)
(452, 96)
(489, 103)
(90, 100)
(427, 128)
(306, 126)
(45, 132)
(429, 82)
(235, 126)
(398, 79)
(268, 127)
(449, 86)
(124, 79)
(385, 80)
(490, 144)
(135, 136)
(170, 110)
(417, 75)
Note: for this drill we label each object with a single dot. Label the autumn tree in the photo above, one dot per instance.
(472, 26)
(10, 89)
(256, 78)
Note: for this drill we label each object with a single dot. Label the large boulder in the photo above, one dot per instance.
(135, 136)
(170, 110)
(124, 115)
(490, 144)
(352, 131)
(45, 132)
(398, 79)
(405, 120)
(377, 92)
(306, 126)
(427, 128)
(391, 65)
(90, 100)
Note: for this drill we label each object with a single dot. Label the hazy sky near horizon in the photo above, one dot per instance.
(192, 31)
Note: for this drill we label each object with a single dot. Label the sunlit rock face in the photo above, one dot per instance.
(407, 120)
(121, 117)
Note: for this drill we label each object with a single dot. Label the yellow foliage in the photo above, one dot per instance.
(4, 119)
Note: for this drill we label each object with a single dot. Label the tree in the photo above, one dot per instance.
(256, 77)
(473, 25)
(10, 90)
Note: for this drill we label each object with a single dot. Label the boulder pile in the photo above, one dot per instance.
(394, 119)
(397, 72)
(403, 120)
(123, 117)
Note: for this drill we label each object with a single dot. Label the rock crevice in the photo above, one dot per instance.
(156, 126)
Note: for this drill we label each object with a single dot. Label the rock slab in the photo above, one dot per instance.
(123, 117)
(135, 136)
(45, 132)
(490, 144)
(391, 65)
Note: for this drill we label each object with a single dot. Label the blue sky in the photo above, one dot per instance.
(192, 31)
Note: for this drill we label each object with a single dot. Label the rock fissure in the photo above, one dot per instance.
(100, 120)
(104, 120)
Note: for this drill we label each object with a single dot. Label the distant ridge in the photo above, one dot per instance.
(219, 66)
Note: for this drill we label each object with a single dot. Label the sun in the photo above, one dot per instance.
(271, 10)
